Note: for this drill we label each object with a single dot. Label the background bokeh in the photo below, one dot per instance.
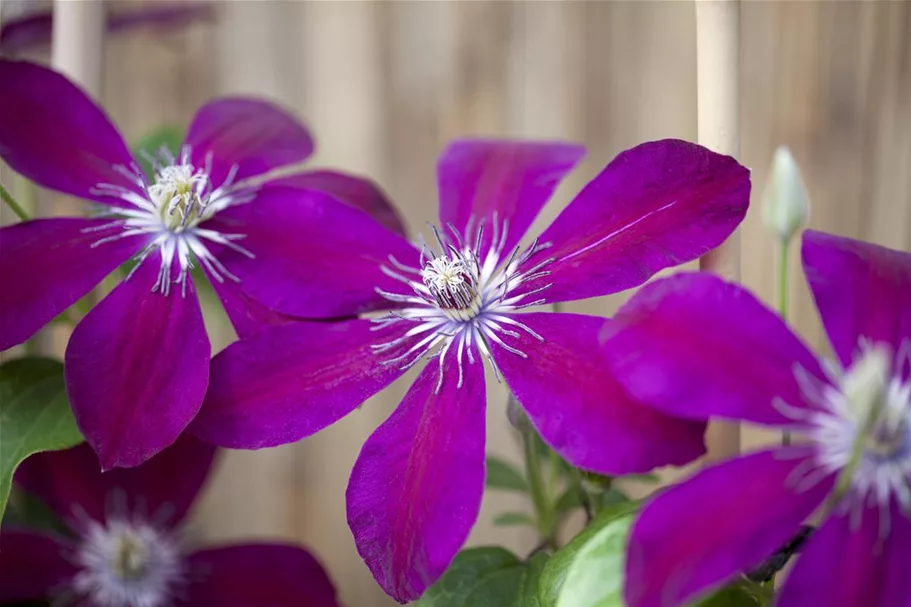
(383, 86)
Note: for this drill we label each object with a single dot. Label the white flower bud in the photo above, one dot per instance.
(785, 204)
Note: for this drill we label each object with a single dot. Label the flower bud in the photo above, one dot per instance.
(785, 204)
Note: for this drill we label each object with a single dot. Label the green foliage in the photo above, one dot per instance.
(35, 415)
(501, 475)
(511, 519)
(487, 577)
(528, 595)
(167, 136)
(555, 572)
(594, 578)
(742, 594)
(474, 573)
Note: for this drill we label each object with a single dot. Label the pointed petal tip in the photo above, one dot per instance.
(415, 491)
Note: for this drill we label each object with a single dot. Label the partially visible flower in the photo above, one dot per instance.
(137, 365)
(785, 203)
(696, 346)
(127, 549)
(27, 24)
(416, 488)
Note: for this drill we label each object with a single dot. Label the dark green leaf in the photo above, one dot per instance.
(555, 571)
(508, 519)
(27, 510)
(569, 499)
(35, 415)
(531, 577)
(168, 136)
(501, 475)
(745, 594)
(613, 497)
(477, 577)
(642, 478)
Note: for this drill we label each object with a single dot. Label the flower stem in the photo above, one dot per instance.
(12, 204)
(544, 507)
(783, 302)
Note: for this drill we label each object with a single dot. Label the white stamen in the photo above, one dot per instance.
(171, 210)
(861, 429)
(461, 297)
(128, 563)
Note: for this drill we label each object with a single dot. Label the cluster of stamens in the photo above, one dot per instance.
(128, 563)
(170, 211)
(861, 428)
(457, 298)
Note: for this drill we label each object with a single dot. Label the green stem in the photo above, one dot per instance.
(783, 302)
(12, 204)
(544, 509)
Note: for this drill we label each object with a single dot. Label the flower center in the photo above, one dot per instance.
(170, 212)
(457, 298)
(181, 194)
(879, 405)
(862, 427)
(128, 564)
(453, 282)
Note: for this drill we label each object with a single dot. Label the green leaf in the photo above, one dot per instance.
(509, 519)
(642, 478)
(569, 499)
(614, 497)
(477, 577)
(167, 136)
(35, 415)
(531, 577)
(595, 576)
(27, 510)
(501, 475)
(742, 594)
(554, 574)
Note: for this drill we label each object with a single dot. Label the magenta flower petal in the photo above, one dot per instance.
(727, 519)
(356, 191)
(415, 491)
(289, 382)
(482, 179)
(137, 368)
(301, 267)
(245, 137)
(697, 346)
(265, 575)
(32, 565)
(248, 316)
(46, 266)
(579, 407)
(854, 562)
(71, 481)
(654, 206)
(861, 290)
(52, 133)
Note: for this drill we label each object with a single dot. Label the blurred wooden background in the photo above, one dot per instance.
(384, 85)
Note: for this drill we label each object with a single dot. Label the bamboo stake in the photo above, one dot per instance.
(76, 50)
(717, 84)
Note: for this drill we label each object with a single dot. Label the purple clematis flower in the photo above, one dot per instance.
(137, 365)
(698, 346)
(416, 488)
(127, 550)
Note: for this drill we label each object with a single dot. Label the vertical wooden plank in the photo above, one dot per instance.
(76, 51)
(339, 54)
(251, 495)
(718, 98)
